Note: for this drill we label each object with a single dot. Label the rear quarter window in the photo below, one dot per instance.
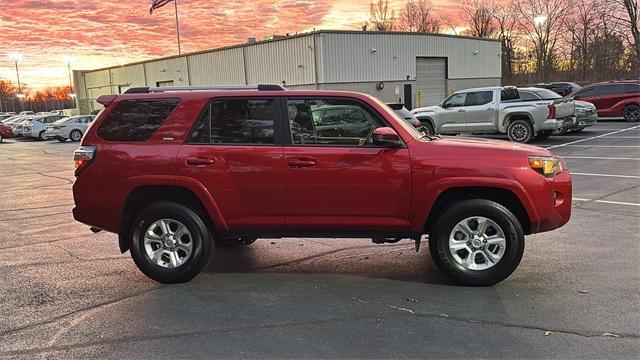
(136, 120)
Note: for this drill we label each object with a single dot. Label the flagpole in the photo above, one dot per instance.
(175, 2)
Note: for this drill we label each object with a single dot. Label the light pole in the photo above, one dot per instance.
(17, 57)
(69, 60)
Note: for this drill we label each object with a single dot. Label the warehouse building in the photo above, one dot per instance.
(414, 68)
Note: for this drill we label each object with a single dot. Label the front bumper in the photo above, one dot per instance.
(586, 120)
(569, 122)
(553, 203)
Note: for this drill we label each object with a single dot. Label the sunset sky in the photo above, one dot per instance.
(98, 33)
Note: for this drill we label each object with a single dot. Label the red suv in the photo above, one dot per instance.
(614, 98)
(173, 170)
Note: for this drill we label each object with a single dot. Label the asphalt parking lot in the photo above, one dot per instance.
(66, 292)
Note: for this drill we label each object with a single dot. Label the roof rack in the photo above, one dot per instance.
(260, 87)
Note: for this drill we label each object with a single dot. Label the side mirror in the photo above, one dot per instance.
(386, 137)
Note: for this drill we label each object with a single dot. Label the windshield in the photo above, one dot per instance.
(408, 127)
(547, 94)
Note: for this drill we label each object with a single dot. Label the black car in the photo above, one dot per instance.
(561, 88)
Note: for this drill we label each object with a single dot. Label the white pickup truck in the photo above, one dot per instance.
(499, 110)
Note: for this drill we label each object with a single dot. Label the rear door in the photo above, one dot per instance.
(235, 151)
(481, 111)
(337, 180)
(609, 96)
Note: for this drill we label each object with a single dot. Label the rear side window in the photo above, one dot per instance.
(476, 98)
(236, 121)
(527, 96)
(547, 94)
(136, 120)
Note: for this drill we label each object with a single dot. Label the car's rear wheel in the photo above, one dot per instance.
(41, 136)
(631, 113)
(170, 242)
(75, 135)
(520, 131)
(477, 242)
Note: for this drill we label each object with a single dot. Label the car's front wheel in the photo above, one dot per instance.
(41, 136)
(631, 113)
(520, 131)
(477, 242)
(170, 242)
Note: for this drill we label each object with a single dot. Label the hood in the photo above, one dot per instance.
(434, 109)
(491, 144)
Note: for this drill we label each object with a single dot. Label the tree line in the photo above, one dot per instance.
(37, 100)
(542, 40)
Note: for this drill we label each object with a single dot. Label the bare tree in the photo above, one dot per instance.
(418, 16)
(479, 16)
(631, 20)
(507, 27)
(542, 21)
(381, 17)
(582, 30)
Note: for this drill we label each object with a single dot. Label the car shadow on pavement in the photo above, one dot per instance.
(329, 256)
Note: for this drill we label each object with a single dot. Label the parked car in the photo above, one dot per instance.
(586, 114)
(26, 113)
(35, 127)
(560, 88)
(68, 128)
(16, 124)
(548, 97)
(613, 98)
(496, 110)
(405, 114)
(170, 171)
(4, 117)
(5, 132)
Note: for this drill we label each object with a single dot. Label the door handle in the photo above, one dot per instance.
(462, 110)
(300, 163)
(200, 161)
(490, 109)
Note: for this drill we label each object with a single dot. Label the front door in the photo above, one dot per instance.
(337, 180)
(452, 118)
(235, 151)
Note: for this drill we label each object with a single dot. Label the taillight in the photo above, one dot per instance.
(552, 111)
(83, 156)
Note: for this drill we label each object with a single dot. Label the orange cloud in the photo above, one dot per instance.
(99, 33)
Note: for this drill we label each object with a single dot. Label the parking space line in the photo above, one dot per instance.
(607, 175)
(598, 158)
(605, 146)
(594, 137)
(606, 202)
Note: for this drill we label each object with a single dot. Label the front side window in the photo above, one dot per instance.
(455, 100)
(476, 98)
(331, 122)
(236, 121)
(136, 120)
(632, 88)
(586, 92)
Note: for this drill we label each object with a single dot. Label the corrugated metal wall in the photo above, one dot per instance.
(223, 67)
(174, 69)
(290, 60)
(350, 57)
(127, 76)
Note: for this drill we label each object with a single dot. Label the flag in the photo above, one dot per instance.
(157, 4)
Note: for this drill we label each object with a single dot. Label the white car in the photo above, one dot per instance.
(36, 126)
(69, 128)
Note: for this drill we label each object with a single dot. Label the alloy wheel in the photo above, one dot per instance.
(75, 135)
(168, 243)
(519, 132)
(477, 243)
(632, 113)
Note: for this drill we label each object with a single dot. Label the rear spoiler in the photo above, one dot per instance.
(105, 100)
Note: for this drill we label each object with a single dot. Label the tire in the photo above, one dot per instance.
(544, 134)
(75, 135)
(41, 136)
(1, 138)
(577, 130)
(561, 132)
(427, 127)
(520, 131)
(631, 113)
(487, 273)
(174, 215)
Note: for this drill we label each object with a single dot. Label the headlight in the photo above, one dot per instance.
(581, 110)
(547, 166)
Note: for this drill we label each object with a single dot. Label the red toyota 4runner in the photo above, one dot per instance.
(173, 170)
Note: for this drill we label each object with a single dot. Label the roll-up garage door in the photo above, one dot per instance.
(431, 81)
